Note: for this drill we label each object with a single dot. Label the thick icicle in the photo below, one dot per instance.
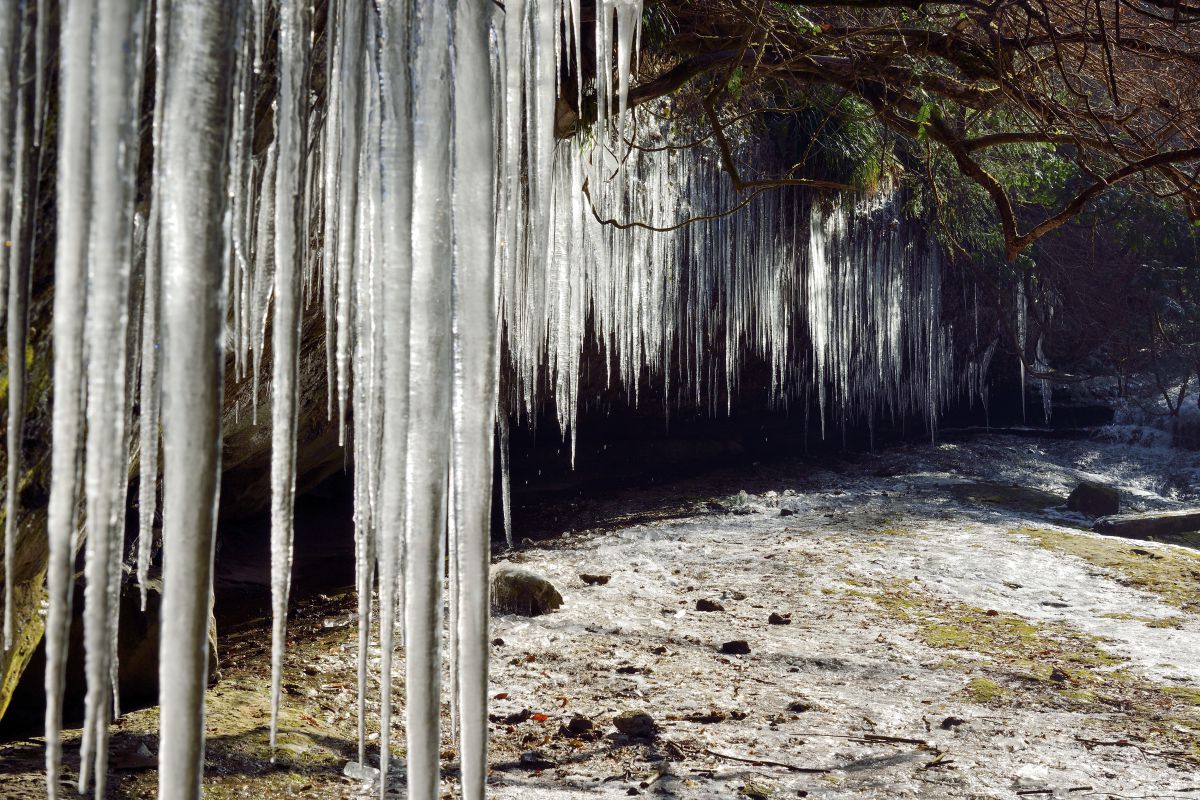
(195, 133)
(474, 391)
(289, 255)
(115, 83)
(392, 273)
(429, 418)
(70, 292)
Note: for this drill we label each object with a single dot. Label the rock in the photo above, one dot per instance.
(1150, 525)
(800, 706)
(515, 718)
(595, 580)
(520, 591)
(536, 759)
(787, 511)
(636, 724)
(704, 604)
(1094, 499)
(779, 619)
(737, 647)
(950, 723)
(577, 726)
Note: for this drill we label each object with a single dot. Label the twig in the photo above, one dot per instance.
(766, 761)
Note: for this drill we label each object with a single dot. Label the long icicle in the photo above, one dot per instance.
(195, 134)
(289, 255)
(70, 292)
(474, 390)
(20, 238)
(429, 395)
(151, 387)
(115, 82)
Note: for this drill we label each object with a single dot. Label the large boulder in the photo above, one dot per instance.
(1151, 525)
(1094, 499)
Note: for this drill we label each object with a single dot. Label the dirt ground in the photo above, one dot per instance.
(926, 622)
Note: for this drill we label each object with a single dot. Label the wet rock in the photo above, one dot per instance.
(595, 580)
(521, 591)
(787, 511)
(1094, 499)
(737, 647)
(704, 604)
(776, 618)
(636, 724)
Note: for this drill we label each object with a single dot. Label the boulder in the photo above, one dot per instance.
(521, 591)
(1150, 525)
(1094, 499)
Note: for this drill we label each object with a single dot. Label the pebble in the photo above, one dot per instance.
(704, 604)
(737, 647)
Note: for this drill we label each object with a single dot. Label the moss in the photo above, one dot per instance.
(1007, 496)
(984, 690)
(1168, 571)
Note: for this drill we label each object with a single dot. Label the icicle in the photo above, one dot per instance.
(195, 124)
(19, 235)
(151, 387)
(289, 254)
(429, 418)
(70, 292)
(389, 419)
(116, 81)
(474, 390)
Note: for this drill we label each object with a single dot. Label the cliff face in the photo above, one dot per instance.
(246, 462)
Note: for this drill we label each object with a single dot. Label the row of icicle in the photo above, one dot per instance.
(409, 188)
(378, 198)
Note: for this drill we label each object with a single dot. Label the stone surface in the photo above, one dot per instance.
(1094, 499)
(137, 653)
(1150, 525)
(521, 591)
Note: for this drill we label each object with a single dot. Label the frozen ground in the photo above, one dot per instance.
(950, 634)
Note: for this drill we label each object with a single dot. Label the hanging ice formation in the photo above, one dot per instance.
(415, 196)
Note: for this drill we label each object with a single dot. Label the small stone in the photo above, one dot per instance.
(779, 619)
(595, 580)
(737, 647)
(950, 723)
(787, 511)
(536, 759)
(736, 595)
(578, 725)
(704, 604)
(800, 706)
(497, 642)
(1059, 675)
(515, 718)
(521, 591)
(636, 724)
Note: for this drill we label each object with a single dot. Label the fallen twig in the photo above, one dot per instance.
(766, 761)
